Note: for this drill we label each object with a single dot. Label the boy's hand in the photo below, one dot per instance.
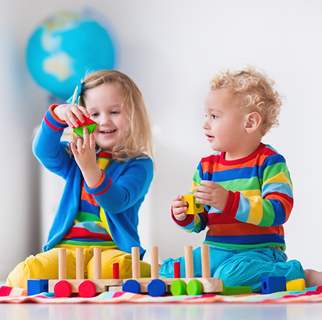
(85, 156)
(211, 194)
(179, 208)
(70, 113)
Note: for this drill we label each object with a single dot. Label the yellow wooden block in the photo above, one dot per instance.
(295, 285)
(193, 207)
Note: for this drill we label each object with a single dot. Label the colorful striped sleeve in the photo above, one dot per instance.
(197, 222)
(192, 223)
(273, 206)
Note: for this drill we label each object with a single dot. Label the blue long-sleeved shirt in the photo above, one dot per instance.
(120, 192)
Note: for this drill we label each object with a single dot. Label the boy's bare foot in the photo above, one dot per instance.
(313, 278)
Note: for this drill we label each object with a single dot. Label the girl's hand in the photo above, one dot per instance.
(211, 194)
(85, 156)
(179, 208)
(70, 113)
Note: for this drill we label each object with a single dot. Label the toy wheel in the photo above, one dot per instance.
(131, 285)
(178, 287)
(62, 289)
(87, 289)
(194, 287)
(156, 288)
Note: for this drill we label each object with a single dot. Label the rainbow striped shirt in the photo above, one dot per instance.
(260, 200)
(88, 228)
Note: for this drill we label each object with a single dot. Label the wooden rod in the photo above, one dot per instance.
(62, 263)
(154, 263)
(79, 263)
(97, 263)
(188, 261)
(205, 262)
(136, 263)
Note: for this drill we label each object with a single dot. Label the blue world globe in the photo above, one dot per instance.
(64, 47)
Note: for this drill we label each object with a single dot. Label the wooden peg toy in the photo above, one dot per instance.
(63, 287)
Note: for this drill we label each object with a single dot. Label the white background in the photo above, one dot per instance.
(170, 49)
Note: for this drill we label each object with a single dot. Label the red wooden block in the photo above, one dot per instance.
(116, 271)
(5, 291)
(176, 269)
(87, 122)
(90, 124)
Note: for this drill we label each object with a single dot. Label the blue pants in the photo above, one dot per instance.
(240, 267)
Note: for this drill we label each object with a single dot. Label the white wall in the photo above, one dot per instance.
(171, 48)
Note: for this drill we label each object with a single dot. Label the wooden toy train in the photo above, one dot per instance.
(154, 286)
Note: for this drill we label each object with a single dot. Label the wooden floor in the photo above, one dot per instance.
(161, 311)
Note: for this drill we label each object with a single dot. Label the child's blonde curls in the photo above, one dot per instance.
(256, 92)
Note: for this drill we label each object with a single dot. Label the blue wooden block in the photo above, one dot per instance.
(131, 285)
(36, 286)
(156, 288)
(273, 284)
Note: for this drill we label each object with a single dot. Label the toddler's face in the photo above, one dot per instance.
(104, 104)
(225, 121)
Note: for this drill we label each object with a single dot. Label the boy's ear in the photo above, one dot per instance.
(253, 121)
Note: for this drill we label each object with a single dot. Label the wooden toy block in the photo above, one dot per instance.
(210, 285)
(230, 291)
(176, 270)
(36, 286)
(295, 285)
(193, 207)
(116, 271)
(6, 291)
(115, 288)
(273, 284)
(89, 124)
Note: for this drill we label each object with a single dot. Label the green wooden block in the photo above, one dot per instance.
(91, 128)
(231, 291)
(89, 124)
